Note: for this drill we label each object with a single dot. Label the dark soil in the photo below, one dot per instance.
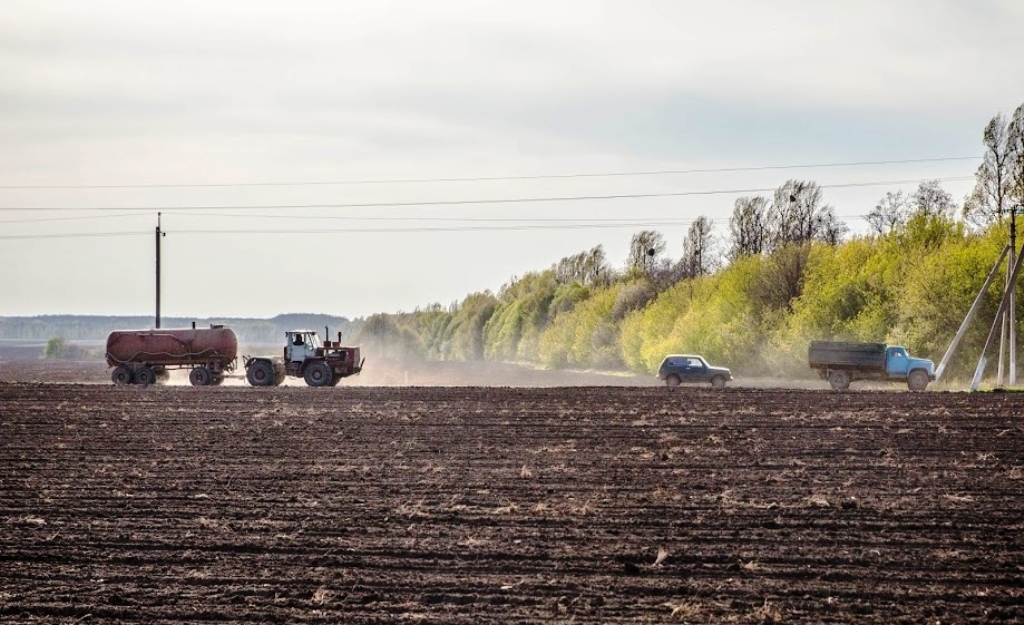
(508, 505)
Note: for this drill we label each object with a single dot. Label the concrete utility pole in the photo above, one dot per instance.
(970, 314)
(1012, 286)
(159, 234)
(1003, 305)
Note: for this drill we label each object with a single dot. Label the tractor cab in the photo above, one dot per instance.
(301, 344)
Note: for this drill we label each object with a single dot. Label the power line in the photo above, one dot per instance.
(41, 219)
(527, 200)
(74, 235)
(661, 172)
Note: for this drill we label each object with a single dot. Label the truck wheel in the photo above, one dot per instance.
(122, 376)
(917, 380)
(839, 379)
(145, 376)
(200, 376)
(319, 374)
(260, 373)
(672, 381)
(718, 382)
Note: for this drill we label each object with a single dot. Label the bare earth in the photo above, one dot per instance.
(598, 504)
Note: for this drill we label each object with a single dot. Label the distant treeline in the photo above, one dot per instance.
(249, 331)
(786, 273)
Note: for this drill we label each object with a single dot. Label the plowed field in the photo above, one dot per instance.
(507, 505)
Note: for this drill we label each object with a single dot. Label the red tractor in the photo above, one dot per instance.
(319, 363)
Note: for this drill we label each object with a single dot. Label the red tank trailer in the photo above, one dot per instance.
(144, 356)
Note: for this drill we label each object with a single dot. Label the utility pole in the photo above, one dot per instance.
(1012, 286)
(159, 233)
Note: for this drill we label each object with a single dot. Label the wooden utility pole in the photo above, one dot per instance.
(159, 234)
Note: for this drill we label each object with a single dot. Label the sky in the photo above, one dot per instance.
(410, 152)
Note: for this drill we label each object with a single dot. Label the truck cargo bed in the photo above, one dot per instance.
(862, 356)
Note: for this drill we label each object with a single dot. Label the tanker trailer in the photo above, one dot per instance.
(144, 356)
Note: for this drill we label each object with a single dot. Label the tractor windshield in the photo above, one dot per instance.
(313, 340)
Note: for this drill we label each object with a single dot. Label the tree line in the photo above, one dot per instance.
(787, 272)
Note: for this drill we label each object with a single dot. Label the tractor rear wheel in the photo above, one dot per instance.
(144, 376)
(200, 376)
(122, 376)
(319, 374)
(260, 373)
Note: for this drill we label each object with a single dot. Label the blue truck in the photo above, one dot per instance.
(841, 363)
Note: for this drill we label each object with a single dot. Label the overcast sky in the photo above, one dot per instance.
(119, 95)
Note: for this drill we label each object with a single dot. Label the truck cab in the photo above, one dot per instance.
(899, 364)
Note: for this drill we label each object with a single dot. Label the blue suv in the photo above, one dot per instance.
(679, 368)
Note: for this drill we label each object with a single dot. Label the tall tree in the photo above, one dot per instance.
(748, 227)
(890, 212)
(698, 258)
(798, 215)
(989, 200)
(645, 250)
(932, 200)
(1015, 150)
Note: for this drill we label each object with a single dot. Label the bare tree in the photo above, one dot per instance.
(890, 212)
(798, 215)
(698, 259)
(645, 250)
(932, 200)
(585, 268)
(595, 266)
(1015, 150)
(988, 201)
(748, 227)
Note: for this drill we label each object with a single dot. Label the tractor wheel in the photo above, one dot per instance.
(718, 382)
(122, 376)
(200, 376)
(672, 381)
(260, 373)
(319, 374)
(144, 376)
(917, 380)
(839, 379)
(217, 380)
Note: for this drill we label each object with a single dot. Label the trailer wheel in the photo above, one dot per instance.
(122, 376)
(260, 373)
(718, 382)
(200, 376)
(917, 380)
(672, 381)
(839, 379)
(319, 374)
(145, 376)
